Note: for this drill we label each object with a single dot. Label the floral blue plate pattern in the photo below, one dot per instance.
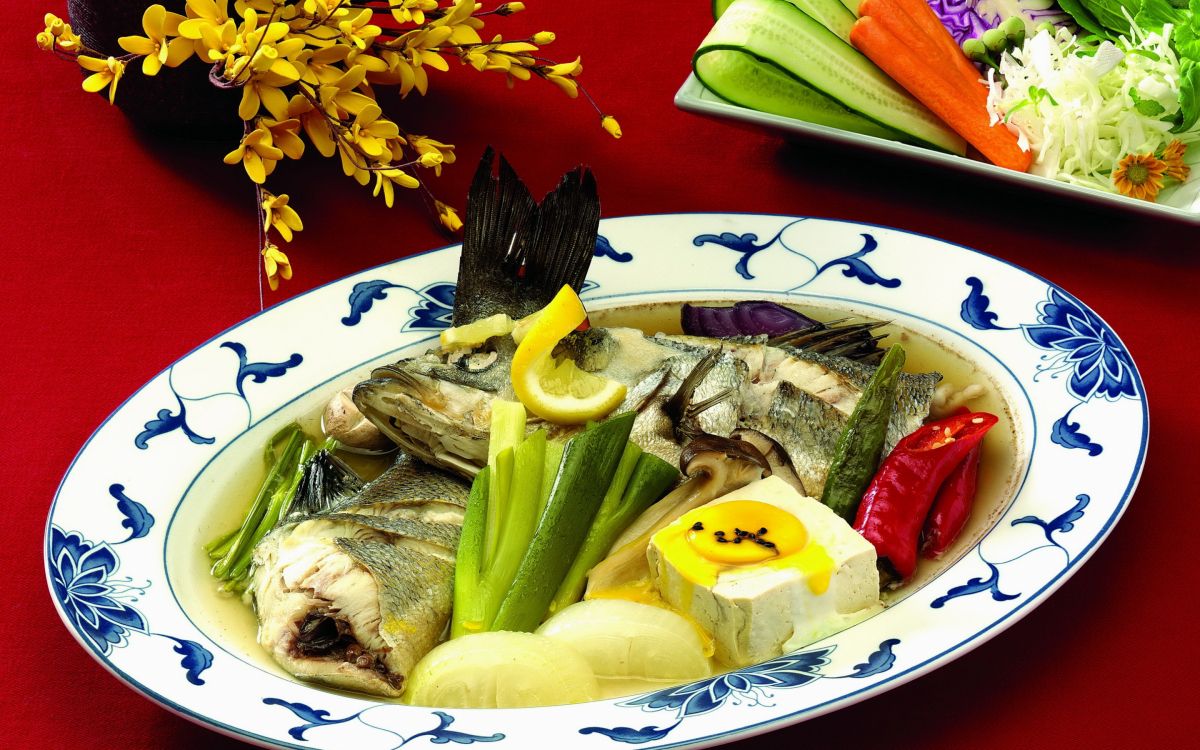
(121, 556)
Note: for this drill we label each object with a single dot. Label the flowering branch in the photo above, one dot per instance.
(311, 66)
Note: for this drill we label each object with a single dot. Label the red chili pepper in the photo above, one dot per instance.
(952, 507)
(896, 503)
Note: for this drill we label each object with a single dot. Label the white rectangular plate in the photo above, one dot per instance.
(693, 97)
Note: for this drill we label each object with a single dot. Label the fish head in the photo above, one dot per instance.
(438, 406)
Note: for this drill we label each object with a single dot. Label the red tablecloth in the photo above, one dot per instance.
(122, 251)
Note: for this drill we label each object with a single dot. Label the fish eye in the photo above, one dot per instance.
(478, 361)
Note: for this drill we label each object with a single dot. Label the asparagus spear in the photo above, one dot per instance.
(860, 446)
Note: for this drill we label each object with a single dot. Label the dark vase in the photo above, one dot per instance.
(179, 101)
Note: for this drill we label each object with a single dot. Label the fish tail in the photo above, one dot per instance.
(517, 254)
(563, 237)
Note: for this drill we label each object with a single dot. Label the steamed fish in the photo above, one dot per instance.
(788, 400)
(352, 590)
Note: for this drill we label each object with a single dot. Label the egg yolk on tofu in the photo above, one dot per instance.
(743, 534)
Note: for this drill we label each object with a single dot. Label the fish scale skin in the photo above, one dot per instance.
(914, 392)
(807, 429)
(444, 535)
(411, 481)
(415, 596)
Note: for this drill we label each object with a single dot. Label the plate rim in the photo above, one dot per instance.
(912, 672)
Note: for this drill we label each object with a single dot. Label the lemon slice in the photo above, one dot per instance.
(560, 392)
(474, 334)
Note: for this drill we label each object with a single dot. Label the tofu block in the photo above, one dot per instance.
(757, 611)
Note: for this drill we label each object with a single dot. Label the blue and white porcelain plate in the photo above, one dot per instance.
(122, 541)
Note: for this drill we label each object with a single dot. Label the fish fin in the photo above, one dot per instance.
(516, 254)
(683, 412)
(562, 238)
(325, 482)
(837, 338)
(497, 210)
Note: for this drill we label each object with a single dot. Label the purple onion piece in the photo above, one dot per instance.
(743, 319)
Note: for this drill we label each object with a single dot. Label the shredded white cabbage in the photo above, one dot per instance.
(1082, 111)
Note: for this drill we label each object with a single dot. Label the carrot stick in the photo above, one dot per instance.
(897, 20)
(925, 19)
(913, 72)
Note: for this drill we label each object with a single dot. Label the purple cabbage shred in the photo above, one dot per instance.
(962, 19)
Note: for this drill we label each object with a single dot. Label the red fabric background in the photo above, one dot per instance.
(121, 251)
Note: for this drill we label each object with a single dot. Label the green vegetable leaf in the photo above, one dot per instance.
(1084, 18)
(1039, 94)
(1111, 14)
(1186, 37)
(1189, 95)
(1147, 107)
(1155, 13)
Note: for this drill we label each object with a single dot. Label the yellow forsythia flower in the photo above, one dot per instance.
(258, 154)
(561, 74)
(157, 50)
(276, 265)
(448, 216)
(309, 70)
(281, 217)
(411, 11)
(386, 179)
(105, 74)
(285, 135)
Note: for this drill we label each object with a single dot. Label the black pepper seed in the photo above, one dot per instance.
(768, 544)
(697, 526)
(722, 540)
(718, 533)
(738, 540)
(763, 530)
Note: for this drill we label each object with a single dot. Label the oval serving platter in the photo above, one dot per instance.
(123, 530)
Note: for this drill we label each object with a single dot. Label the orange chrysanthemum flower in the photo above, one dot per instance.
(1172, 155)
(1140, 176)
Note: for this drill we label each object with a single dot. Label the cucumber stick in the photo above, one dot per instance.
(778, 31)
(836, 15)
(588, 464)
(640, 481)
(745, 80)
